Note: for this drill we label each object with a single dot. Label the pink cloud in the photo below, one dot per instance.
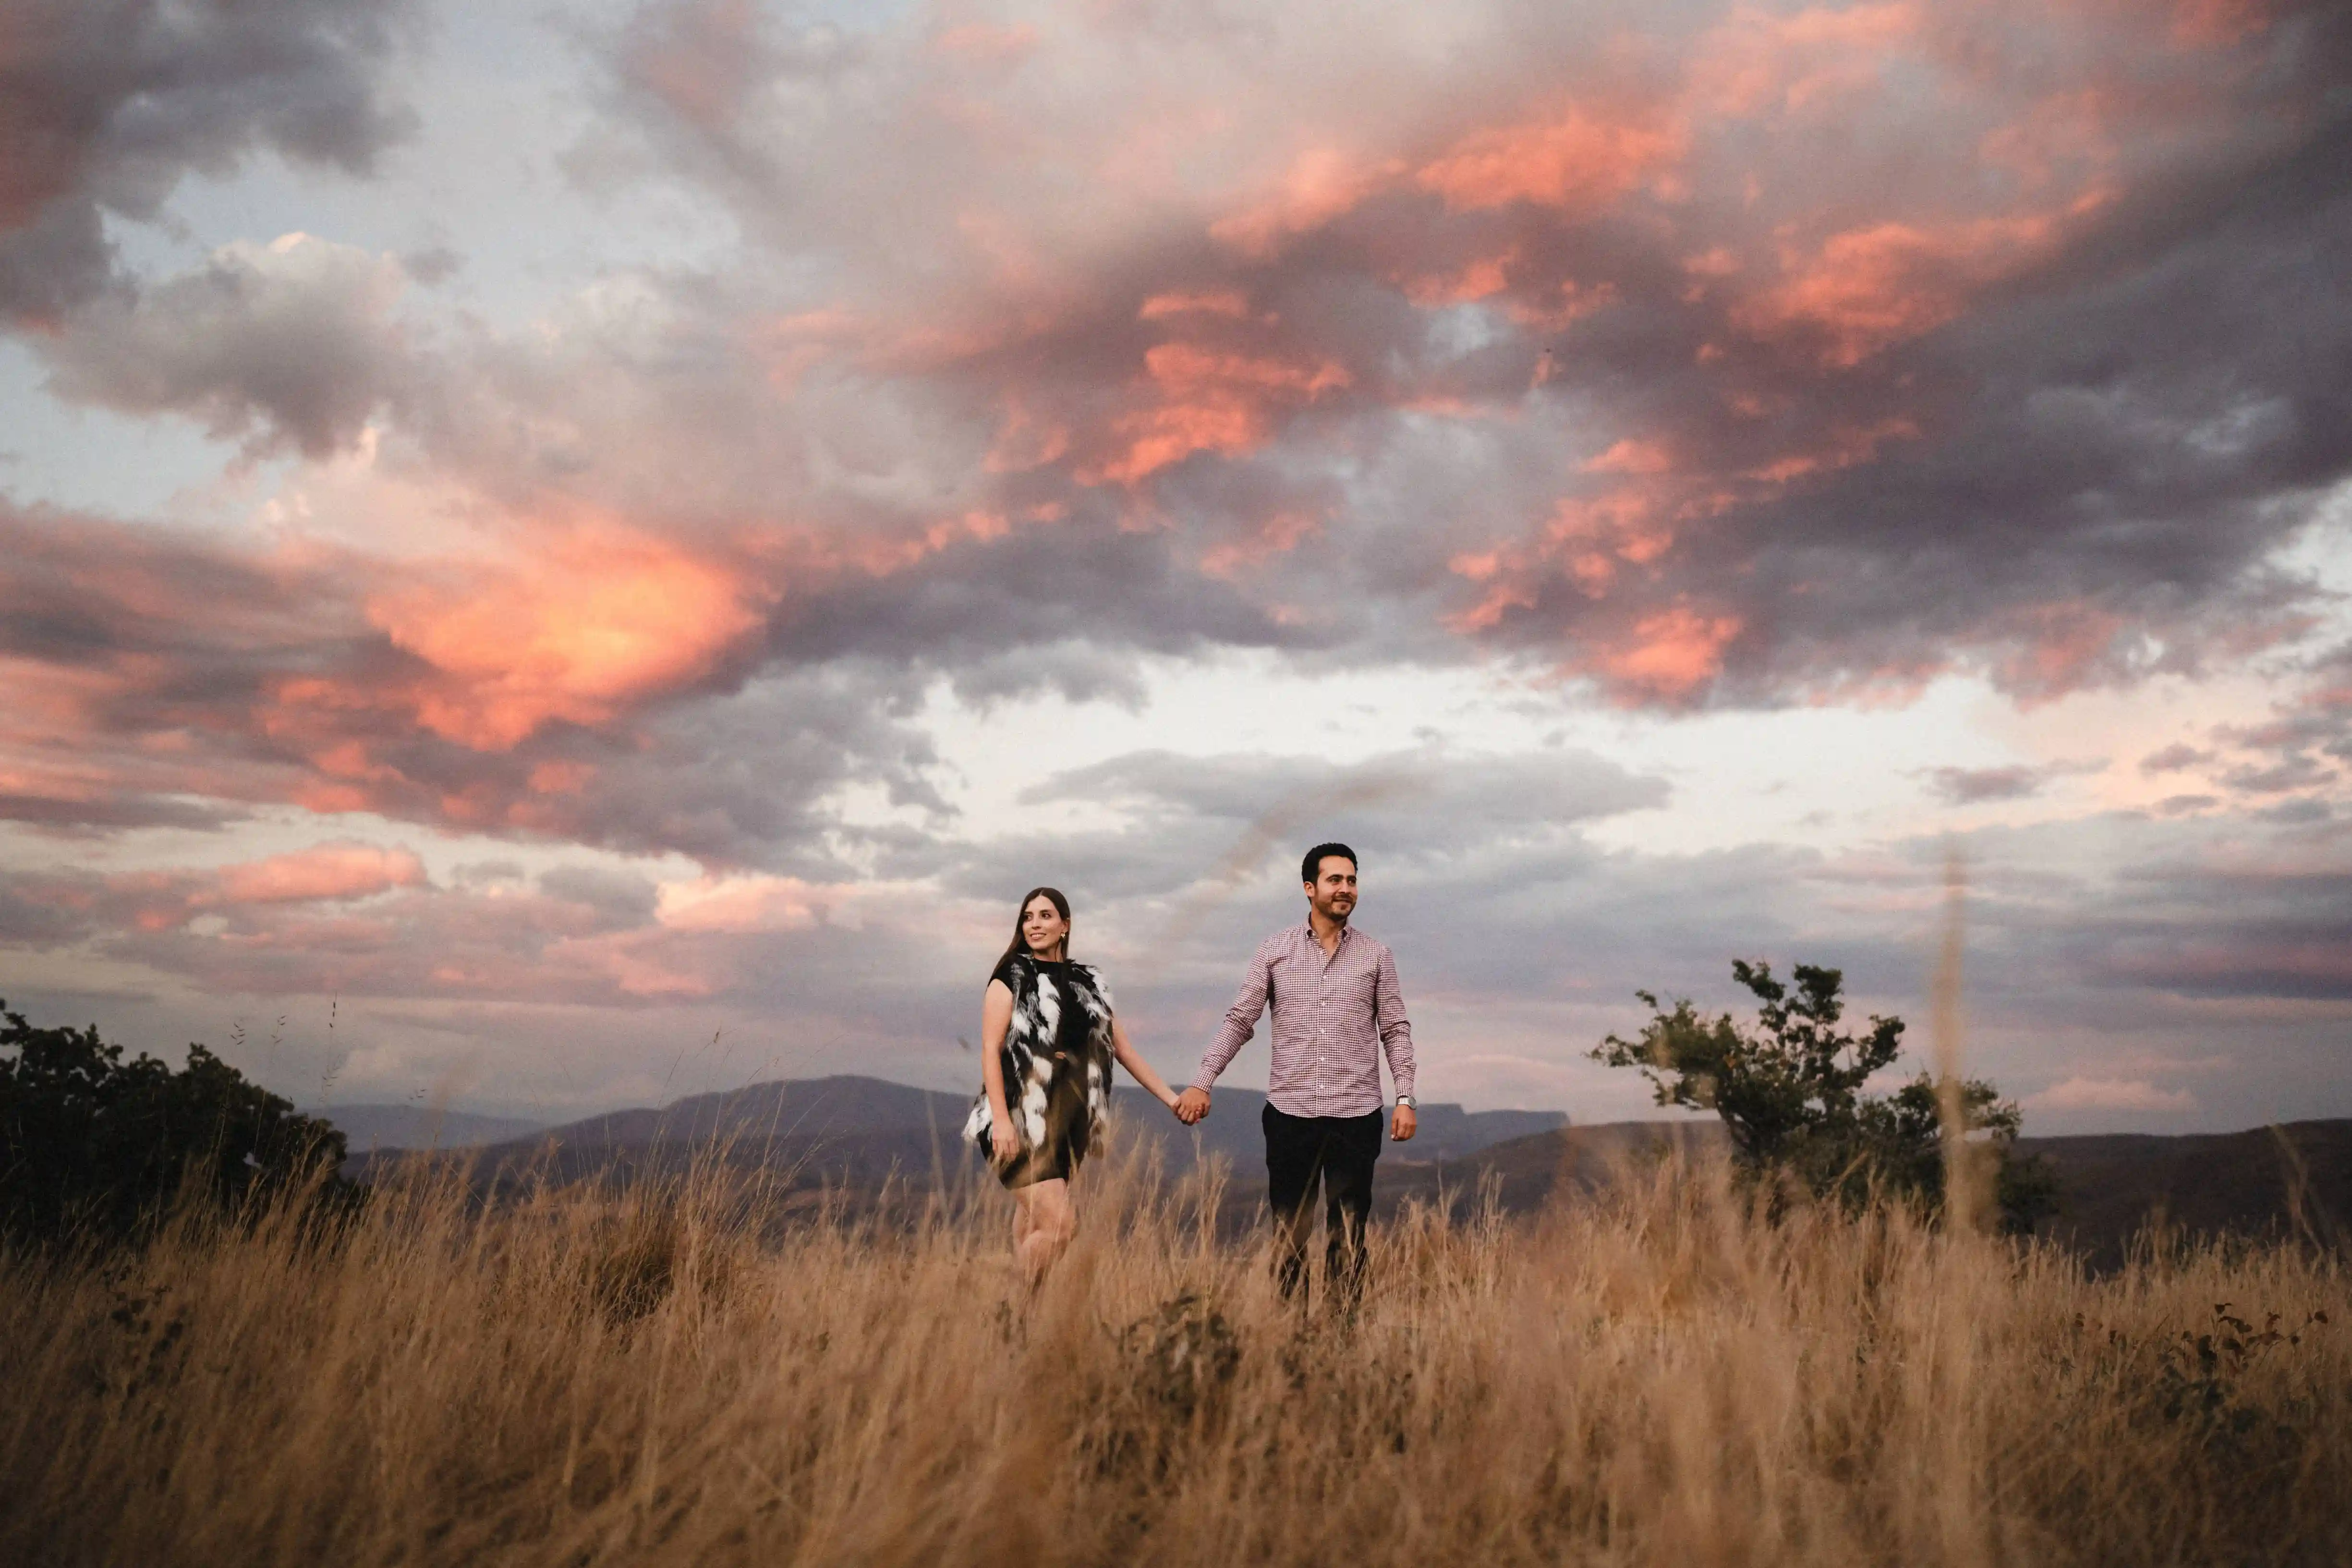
(1669, 657)
(1575, 159)
(1277, 535)
(1321, 184)
(1229, 303)
(323, 871)
(1762, 63)
(742, 904)
(166, 900)
(1209, 400)
(590, 626)
(1866, 289)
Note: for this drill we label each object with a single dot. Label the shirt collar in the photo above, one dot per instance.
(1307, 929)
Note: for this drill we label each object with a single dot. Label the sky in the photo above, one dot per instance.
(554, 557)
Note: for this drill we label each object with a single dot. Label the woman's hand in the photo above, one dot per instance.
(1002, 1145)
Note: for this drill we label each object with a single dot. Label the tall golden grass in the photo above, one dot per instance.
(676, 1374)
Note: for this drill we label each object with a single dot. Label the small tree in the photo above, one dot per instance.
(92, 1144)
(1790, 1093)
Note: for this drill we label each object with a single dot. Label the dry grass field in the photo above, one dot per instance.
(1656, 1376)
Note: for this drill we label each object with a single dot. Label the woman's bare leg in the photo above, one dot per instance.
(1021, 1222)
(1051, 1221)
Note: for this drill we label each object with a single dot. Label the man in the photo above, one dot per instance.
(1337, 1010)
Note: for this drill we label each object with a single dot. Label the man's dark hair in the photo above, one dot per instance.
(1312, 867)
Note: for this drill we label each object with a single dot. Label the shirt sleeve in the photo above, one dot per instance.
(1240, 1019)
(1396, 1029)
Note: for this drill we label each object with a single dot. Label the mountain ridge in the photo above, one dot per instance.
(850, 1133)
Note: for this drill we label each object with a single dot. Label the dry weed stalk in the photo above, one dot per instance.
(1661, 1374)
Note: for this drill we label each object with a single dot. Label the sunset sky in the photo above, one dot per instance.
(598, 548)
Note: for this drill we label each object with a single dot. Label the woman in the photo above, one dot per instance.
(1047, 1039)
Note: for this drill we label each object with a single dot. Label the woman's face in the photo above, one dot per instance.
(1042, 925)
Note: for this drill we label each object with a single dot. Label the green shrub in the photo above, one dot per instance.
(1790, 1093)
(93, 1146)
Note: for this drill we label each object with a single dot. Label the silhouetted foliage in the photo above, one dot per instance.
(1790, 1093)
(92, 1144)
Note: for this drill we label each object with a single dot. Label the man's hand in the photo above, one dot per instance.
(1402, 1126)
(1192, 1105)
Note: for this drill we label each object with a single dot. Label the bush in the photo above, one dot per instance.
(91, 1144)
(1790, 1093)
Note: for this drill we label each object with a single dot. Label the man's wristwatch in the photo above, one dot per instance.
(1408, 1102)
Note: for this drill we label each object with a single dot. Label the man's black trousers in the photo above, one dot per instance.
(1340, 1152)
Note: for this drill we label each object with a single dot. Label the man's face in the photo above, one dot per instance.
(1333, 891)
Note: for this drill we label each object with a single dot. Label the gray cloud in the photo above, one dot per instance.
(291, 345)
(2174, 758)
(106, 104)
(2294, 772)
(1967, 786)
(620, 900)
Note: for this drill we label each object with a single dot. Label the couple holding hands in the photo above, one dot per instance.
(1049, 1035)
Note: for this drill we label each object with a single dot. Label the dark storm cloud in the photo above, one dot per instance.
(106, 104)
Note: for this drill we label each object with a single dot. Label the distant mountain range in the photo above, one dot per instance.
(416, 1126)
(2294, 1179)
(852, 1134)
(859, 1128)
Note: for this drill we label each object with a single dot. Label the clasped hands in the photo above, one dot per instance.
(1193, 1104)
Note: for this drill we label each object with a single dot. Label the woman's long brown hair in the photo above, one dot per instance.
(1020, 944)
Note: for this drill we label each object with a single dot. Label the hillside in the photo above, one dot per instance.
(856, 1131)
(2294, 1179)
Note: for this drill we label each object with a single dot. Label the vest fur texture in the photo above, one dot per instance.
(1028, 1055)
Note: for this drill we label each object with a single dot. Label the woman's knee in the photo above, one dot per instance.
(1053, 1213)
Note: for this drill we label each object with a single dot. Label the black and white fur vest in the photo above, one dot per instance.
(1028, 1057)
